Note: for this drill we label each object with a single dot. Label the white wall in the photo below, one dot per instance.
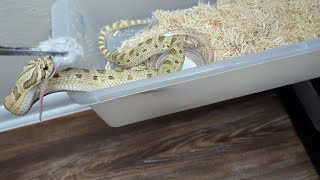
(26, 23)
(22, 23)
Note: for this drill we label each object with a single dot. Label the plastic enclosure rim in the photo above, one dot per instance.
(146, 99)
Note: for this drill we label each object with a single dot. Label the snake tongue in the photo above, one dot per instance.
(43, 91)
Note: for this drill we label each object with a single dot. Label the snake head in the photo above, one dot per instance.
(35, 72)
(28, 82)
(43, 66)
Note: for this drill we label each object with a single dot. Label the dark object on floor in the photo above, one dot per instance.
(308, 93)
(300, 101)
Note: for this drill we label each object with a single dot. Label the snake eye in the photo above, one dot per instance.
(45, 68)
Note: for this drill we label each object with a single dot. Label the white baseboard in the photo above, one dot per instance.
(55, 105)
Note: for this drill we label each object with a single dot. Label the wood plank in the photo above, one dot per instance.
(245, 138)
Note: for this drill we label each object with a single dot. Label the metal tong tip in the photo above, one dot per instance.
(25, 51)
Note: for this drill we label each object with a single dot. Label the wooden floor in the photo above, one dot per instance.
(245, 138)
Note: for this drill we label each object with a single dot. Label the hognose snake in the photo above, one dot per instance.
(34, 75)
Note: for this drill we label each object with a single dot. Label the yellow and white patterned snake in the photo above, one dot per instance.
(28, 84)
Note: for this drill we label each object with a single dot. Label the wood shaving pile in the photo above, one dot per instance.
(238, 27)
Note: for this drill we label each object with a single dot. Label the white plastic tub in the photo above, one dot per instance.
(190, 88)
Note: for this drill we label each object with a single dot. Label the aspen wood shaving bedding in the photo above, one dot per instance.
(238, 27)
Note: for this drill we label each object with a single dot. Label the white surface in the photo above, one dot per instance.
(145, 99)
(55, 105)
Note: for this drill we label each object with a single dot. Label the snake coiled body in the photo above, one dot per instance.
(140, 53)
(30, 81)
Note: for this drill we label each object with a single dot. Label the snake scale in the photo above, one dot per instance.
(28, 84)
